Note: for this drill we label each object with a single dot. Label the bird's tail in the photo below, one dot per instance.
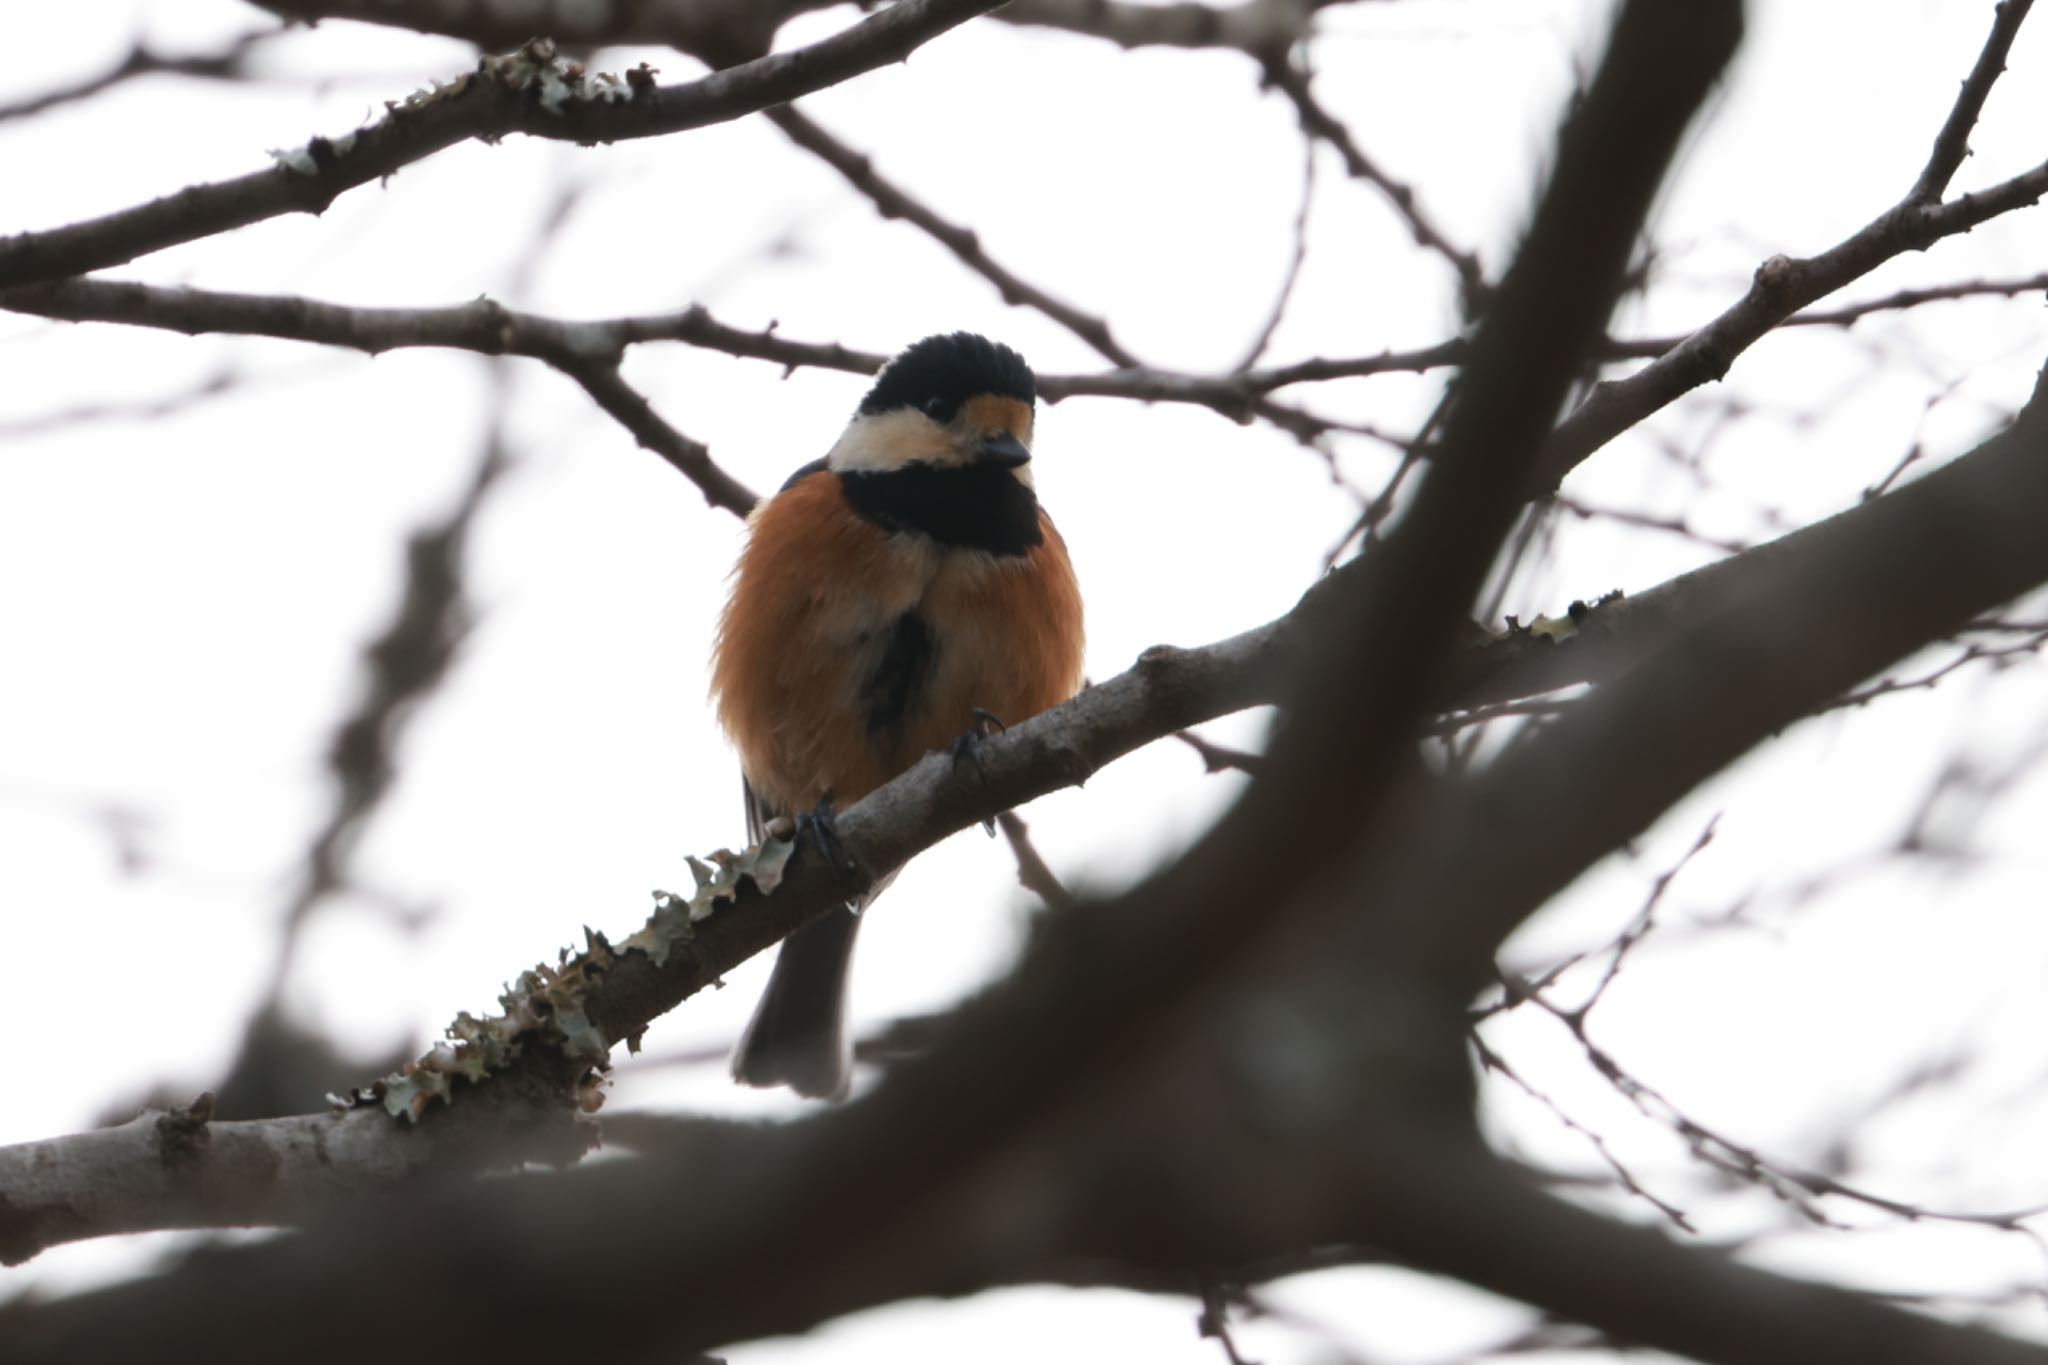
(797, 1037)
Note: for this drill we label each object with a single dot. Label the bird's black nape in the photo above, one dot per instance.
(939, 374)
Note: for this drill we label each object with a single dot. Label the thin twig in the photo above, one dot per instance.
(1032, 871)
(1492, 1061)
(1649, 348)
(1318, 122)
(228, 63)
(1998, 656)
(1216, 758)
(1677, 526)
(1257, 350)
(892, 201)
(609, 389)
(1952, 143)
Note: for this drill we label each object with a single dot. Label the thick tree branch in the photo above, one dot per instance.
(184, 1170)
(530, 91)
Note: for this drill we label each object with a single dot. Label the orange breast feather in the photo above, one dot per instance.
(816, 595)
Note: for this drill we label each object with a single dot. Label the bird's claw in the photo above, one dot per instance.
(820, 824)
(968, 745)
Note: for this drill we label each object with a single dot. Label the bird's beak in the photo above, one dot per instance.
(1004, 450)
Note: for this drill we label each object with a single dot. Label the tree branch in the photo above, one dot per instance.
(1781, 630)
(530, 91)
(230, 62)
(184, 1170)
(1319, 123)
(892, 201)
(1254, 27)
(1952, 143)
(608, 388)
(1782, 285)
(579, 347)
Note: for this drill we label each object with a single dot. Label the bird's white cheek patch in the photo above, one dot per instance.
(883, 441)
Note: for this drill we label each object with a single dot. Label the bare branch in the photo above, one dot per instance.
(182, 1169)
(1952, 143)
(1296, 259)
(1215, 757)
(1032, 871)
(687, 25)
(1318, 122)
(1783, 285)
(1677, 526)
(530, 91)
(1997, 656)
(489, 328)
(587, 352)
(481, 325)
(1256, 27)
(892, 201)
(1914, 298)
(609, 389)
(1493, 1062)
(140, 410)
(1795, 1185)
(1751, 662)
(229, 63)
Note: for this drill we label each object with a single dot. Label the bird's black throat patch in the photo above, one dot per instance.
(968, 507)
(897, 678)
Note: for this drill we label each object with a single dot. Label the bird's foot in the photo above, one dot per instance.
(968, 746)
(820, 825)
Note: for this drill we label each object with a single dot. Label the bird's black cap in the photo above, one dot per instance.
(940, 373)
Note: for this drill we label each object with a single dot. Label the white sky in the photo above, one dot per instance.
(184, 595)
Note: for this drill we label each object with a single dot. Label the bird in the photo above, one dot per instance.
(899, 595)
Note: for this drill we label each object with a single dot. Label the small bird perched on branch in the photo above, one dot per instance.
(892, 599)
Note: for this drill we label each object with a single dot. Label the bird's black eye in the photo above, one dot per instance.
(938, 409)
